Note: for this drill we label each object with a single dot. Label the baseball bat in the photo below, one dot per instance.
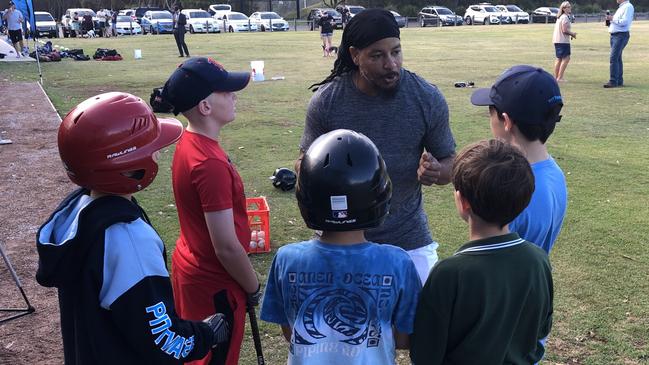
(255, 335)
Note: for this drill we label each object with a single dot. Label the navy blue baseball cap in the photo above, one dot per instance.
(528, 94)
(198, 77)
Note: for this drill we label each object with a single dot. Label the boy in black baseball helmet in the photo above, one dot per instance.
(354, 298)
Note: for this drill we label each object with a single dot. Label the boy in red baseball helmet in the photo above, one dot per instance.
(100, 250)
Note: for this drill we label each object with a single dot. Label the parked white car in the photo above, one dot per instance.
(218, 10)
(70, 29)
(45, 24)
(513, 14)
(482, 14)
(266, 19)
(200, 21)
(238, 22)
(126, 25)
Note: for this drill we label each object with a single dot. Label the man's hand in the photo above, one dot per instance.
(220, 328)
(254, 298)
(429, 169)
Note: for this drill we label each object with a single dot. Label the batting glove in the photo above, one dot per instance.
(254, 298)
(219, 327)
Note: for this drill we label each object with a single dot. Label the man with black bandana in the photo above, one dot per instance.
(404, 115)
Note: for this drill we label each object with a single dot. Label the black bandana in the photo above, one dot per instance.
(369, 26)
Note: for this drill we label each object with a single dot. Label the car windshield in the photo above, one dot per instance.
(237, 16)
(161, 15)
(554, 10)
(490, 9)
(124, 19)
(444, 11)
(355, 9)
(199, 14)
(514, 8)
(270, 16)
(44, 18)
(221, 7)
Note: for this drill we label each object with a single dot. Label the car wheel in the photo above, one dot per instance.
(422, 21)
(263, 28)
(191, 29)
(230, 29)
(485, 21)
(468, 20)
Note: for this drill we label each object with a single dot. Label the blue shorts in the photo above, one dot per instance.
(562, 50)
(322, 35)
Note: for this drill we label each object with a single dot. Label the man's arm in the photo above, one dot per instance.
(431, 171)
(286, 331)
(401, 340)
(228, 249)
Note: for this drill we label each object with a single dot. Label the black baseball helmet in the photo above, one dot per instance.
(284, 179)
(343, 184)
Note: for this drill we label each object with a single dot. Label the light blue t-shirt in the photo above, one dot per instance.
(540, 223)
(341, 301)
(13, 20)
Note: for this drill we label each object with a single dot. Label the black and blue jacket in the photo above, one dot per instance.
(115, 296)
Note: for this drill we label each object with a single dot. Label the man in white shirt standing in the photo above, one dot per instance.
(619, 29)
(14, 20)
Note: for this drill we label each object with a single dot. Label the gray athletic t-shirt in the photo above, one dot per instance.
(400, 125)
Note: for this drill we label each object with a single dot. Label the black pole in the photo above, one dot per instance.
(270, 5)
(297, 9)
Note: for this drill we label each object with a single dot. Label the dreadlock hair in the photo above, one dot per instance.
(367, 27)
(343, 64)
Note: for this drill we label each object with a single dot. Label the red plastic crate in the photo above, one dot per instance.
(258, 221)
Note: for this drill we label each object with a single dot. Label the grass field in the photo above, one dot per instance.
(601, 260)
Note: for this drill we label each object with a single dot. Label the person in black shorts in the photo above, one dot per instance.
(326, 33)
(14, 19)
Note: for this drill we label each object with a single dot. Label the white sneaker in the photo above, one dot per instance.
(5, 141)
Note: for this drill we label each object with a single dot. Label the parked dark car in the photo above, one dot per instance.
(401, 20)
(315, 15)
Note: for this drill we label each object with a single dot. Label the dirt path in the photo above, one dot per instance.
(32, 182)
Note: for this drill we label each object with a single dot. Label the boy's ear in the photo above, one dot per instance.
(508, 124)
(204, 107)
(463, 204)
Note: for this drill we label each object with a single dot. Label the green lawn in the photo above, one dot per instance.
(601, 261)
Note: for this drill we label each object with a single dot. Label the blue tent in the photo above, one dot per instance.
(26, 7)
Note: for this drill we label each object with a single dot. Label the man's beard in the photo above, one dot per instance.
(383, 91)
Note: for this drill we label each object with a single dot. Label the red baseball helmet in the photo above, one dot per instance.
(107, 143)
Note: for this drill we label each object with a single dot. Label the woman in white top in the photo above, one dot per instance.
(561, 39)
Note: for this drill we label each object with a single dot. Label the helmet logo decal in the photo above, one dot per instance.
(338, 202)
(120, 153)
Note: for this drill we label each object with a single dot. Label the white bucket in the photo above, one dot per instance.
(137, 54)
(257, 70)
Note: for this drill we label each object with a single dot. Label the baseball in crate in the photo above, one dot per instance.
(259, 222)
